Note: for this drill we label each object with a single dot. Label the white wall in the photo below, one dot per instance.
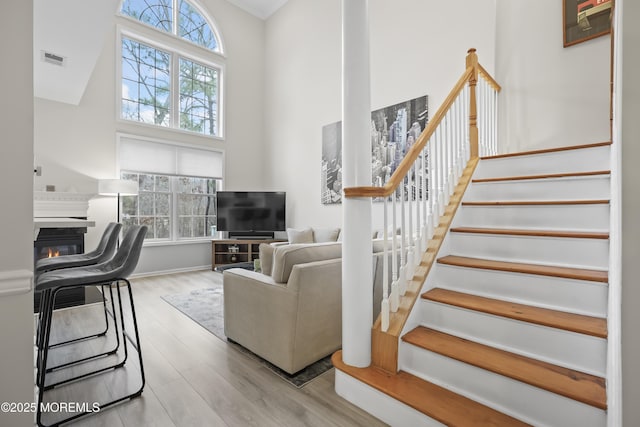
(628, 126)
(16, 163)
(75, 145)
(418, 47)
(552, 96)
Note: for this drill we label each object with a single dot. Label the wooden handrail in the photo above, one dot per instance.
(492, 82)
(470, 76)
(415, 150)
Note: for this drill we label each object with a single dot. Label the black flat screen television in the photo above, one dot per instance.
(251, 213)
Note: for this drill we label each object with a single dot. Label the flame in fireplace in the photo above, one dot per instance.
(51, 253)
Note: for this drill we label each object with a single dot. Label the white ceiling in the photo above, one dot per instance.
(56, 25)
(260, 8)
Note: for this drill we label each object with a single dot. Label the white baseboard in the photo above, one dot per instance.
(171, 271)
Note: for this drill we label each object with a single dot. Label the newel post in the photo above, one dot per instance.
(472, 61)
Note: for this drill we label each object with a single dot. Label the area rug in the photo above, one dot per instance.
(206, 307)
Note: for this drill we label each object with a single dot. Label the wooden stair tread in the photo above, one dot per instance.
(544, 176)
(548, 150)
(588, 325)
(535, 202)
(532, 232)
(434, 401)
(518, 267)
(573, 384)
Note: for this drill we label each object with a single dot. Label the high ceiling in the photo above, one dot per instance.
(56, 27)
(260, 8)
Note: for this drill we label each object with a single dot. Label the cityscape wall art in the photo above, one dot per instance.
(394, 129)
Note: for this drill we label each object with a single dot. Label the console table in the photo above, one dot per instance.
(232, 251)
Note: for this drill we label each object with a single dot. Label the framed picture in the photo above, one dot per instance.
(585, 19)
(394, 129)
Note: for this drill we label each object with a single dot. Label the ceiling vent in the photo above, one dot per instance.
(52, 58)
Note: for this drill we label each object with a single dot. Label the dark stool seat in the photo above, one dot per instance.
(103, 252)
(116, 270)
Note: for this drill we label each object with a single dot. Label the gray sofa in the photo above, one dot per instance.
(291, 317)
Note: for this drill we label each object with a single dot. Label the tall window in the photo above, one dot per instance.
(177, 188)
(171, 83)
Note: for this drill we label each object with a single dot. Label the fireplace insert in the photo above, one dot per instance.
(52, 242)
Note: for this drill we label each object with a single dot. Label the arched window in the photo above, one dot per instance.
(171, 73)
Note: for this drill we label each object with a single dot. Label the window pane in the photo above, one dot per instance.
(148, 221)
(162, 183)
(157, 13)
(145, 83)
(163, 230)
(146, 182)
(146, 201)
(129, 206)
(193, 27)
(163, 204)
(198, 97)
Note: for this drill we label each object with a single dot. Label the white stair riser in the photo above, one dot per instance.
(564, 348)
(591, 188)
(528, 403)
(574, 296)
(584, 160)
(547, 217)
(380, 405)
(561, 251)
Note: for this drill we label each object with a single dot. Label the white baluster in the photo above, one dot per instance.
(433, 164)
(460, 125)
(440, 170)
(384, 309)
(423, 194)
(495, 122)
(417, 253)
(403, 236)
(430, 190)
(395, 299)
(410, 249)
(450, 145)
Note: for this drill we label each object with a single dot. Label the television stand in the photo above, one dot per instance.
(251, 235)
(232, 251)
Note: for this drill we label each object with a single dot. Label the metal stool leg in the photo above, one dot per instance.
(41, 381)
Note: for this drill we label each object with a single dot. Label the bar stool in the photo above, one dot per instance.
(103, 252)
(115, 270)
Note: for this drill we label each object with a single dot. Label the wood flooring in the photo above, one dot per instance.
(192, 377)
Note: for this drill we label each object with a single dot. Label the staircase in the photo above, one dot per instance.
(510, 328)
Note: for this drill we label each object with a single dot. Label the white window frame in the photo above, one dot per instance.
(173, 240)
(177, 47)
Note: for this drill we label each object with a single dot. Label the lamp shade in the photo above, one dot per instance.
(113, 187)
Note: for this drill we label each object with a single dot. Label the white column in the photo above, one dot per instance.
(357, 274)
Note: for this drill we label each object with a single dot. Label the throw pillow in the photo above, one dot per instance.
(300, 236)
(266, 258)
(322, 235)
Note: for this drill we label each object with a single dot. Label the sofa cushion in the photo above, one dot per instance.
(322, 235)
(266, 257)
(285, 257)
(300, 236)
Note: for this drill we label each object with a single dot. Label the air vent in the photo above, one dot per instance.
(52, 58)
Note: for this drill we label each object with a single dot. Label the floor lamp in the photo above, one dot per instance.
(117, 187)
